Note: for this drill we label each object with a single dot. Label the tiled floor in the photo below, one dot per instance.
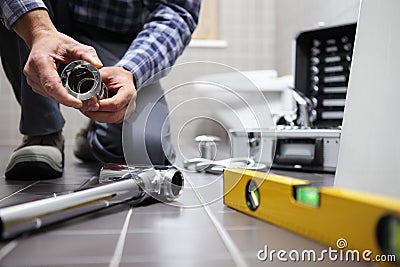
(186, 233)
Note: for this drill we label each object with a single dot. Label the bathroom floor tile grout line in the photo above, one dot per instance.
(224, 235)
(7, 249)
(4, 251)
(19, 191)
(119, 248)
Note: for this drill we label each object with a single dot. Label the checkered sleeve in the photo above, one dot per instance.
(11, 10)
(163, 38)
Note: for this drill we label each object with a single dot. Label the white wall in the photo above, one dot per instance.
(9, 112)
(249, 29)
(298, 15)
(258, 35)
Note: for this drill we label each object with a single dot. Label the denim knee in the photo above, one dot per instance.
(105, 140)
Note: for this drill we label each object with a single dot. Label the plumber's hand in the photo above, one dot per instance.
(120, 84)
(49, 48)
(40, 70)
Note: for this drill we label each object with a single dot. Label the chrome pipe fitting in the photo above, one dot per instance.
(117, 184)
(160, 182)
(207, 146)
(83, 81)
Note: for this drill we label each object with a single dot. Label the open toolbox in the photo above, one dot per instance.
(322, 60)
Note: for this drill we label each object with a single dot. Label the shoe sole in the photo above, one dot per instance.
(35, 163)
(42, 171)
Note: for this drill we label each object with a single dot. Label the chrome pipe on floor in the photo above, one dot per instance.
(118, 184)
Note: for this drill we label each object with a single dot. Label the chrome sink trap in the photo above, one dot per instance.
(117, 184)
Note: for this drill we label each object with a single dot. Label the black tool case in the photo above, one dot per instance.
(322, 68)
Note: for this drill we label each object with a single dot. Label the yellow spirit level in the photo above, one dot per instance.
(365, 221)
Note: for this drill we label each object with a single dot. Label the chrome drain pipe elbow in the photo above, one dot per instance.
(117, 184)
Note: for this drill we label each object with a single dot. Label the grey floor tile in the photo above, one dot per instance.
(159, 208)
(187, 219)
(188, 199)
(232, 218)
(47, 189)
(174, 244)
(252, 240)
(159, 234)
(170, 262)
(219, 207)
(6, 190)
(211, 193)
(4, 181)
(200, 180)
(48, 249)
(19, 199)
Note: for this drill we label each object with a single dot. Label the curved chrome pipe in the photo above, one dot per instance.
(122, 184)
(161, 182)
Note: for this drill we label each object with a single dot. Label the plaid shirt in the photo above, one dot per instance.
(162, 27)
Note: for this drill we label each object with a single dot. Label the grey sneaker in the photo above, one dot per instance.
(37, 158)
(82, 149)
